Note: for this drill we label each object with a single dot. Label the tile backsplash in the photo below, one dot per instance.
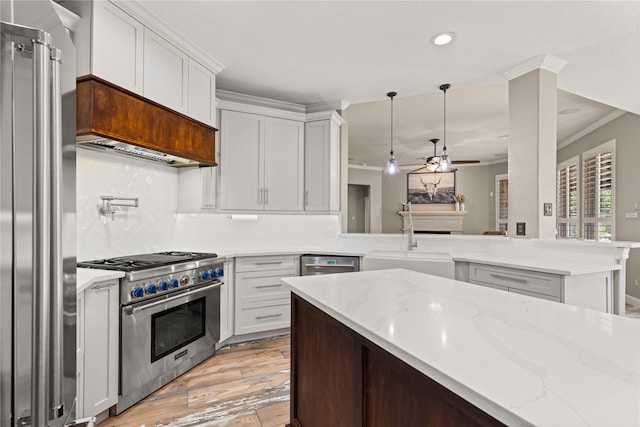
(147, 228)
(155, 226)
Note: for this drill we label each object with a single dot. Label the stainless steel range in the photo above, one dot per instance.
(169, 320)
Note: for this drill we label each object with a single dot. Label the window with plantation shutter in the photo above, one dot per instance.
(568, 196)
(598, 194)
(502, 202)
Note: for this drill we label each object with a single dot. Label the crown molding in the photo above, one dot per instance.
(69, 19)
(603, 121)
(136, 9)
(258, 101)
(332, 115)
(339, 105)
(544, 62)
(369, 168)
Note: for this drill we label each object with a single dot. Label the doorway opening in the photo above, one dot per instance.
(358, 209)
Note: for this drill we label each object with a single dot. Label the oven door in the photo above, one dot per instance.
(164, 337)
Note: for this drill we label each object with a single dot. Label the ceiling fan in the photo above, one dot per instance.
(434, 160)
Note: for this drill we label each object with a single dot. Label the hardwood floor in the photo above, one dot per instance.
(243, 385)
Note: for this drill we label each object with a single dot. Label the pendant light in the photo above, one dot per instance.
(392, 166)
(445, 162)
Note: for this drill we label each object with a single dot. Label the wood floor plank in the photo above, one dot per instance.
(276, 415)
(245, 385)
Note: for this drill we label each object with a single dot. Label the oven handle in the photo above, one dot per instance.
(136, 309)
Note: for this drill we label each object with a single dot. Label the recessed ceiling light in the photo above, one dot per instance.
(442, 39)
(569, 111)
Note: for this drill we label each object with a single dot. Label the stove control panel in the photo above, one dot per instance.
(154, 286)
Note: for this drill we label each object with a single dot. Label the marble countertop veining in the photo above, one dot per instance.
(86, 277)
(523, 360)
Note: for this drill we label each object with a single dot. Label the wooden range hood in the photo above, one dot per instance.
(109, 117)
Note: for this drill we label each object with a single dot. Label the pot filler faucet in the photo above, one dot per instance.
(412, 242)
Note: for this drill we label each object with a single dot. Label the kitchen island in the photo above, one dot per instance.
(397, 347)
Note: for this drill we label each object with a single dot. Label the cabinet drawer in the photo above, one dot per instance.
(265, 318)
(539, 283)
(287, 263)
(256, 286)
(536, 295)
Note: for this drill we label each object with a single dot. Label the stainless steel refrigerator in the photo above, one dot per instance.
(37, 217)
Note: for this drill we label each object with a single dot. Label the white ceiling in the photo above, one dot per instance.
(321, 51)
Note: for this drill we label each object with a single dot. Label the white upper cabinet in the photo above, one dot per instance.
(114, 43)
(166, 71)
(241, 153)
(261, 162)
(109, 44)
(202, 92)
(322, 165)
(283, 164)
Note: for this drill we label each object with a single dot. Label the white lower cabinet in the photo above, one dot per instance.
(263, 303)
(227, 303)
(592, 290)
(97, 348)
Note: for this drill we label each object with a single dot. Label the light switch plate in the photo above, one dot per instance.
(520, 229)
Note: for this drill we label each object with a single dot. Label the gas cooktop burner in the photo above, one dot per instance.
(145, 261)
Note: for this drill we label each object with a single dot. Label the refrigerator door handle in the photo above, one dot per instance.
(40, 363)
(56, 401)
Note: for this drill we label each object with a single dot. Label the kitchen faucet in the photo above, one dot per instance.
(412, 242)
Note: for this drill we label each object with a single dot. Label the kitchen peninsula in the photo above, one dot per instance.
(475, 355)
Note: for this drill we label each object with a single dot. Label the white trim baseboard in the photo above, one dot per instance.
(631, 300)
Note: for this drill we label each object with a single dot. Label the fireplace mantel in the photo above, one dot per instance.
(434, 221)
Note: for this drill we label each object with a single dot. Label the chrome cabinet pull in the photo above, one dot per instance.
(510, 279)
(266, 196)
(268, 263)
(270, 316)
(267, 286)
(104, 285)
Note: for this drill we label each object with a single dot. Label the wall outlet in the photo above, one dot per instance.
(520, 229)
(636, 283)
(631, 215)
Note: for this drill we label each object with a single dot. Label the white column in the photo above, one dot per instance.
(533, 147)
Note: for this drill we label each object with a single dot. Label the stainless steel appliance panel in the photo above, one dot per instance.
(147, 326)
(327, 264)
(37, 217)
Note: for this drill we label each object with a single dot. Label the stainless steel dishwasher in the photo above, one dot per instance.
(313, 264)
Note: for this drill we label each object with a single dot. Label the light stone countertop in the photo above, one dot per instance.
(85, 277)
(535, 261)
(523, 360)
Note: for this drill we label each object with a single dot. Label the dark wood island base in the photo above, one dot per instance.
(340, 378)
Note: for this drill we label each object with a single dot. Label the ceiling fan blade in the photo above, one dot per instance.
(463, 162)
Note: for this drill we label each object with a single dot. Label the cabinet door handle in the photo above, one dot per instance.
(268, 286)
(508, 278)
(266, 196)
(306, 197)
(104, 285)
(270, 316)
(259, 196)
(268, 262)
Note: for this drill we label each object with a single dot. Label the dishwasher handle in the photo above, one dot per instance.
(330, 265)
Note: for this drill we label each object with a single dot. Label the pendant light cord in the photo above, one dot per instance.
(444, 88)
(391, 95)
